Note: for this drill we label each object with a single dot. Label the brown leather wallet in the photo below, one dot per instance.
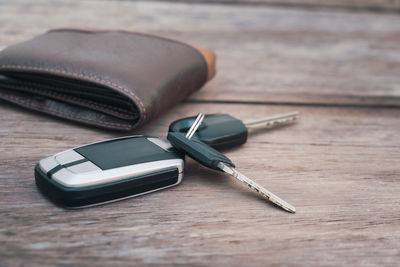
(112, 79)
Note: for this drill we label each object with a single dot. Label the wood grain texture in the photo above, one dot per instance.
(264, 54)
(339, 167)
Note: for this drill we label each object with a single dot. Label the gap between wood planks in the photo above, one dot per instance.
(322, 105)
(381, 7)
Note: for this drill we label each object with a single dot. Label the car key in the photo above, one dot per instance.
(109, 170)
(209, 157)
(223, 131)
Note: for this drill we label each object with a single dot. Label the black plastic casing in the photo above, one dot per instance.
(199, 151)
(90, 195)
(220, 131)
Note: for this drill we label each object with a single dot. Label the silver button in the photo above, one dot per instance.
(47, 164)
(84, 167)
(68, 157)
(164, 145)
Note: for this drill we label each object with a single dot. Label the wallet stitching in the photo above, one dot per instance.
(26, 85)
(78, 82)
(32, 105)
(51, 93)
(91, 31)
(90, 104)
(93, 78)
(100, 106)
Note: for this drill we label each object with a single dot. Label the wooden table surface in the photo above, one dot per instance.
(336, 62)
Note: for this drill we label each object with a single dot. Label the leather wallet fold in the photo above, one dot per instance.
(111, 79)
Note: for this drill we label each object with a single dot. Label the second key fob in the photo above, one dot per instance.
(220, 131)
(109, 170)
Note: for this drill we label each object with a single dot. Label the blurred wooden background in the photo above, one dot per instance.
(336, 61)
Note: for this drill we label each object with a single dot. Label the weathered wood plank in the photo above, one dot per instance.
(339, 167)
(265, 55)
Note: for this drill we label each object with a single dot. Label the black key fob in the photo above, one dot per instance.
(109, 170)
(220, 131)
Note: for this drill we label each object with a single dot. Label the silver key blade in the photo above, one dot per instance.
(195, 126)
(273, 121)
(258, 188)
